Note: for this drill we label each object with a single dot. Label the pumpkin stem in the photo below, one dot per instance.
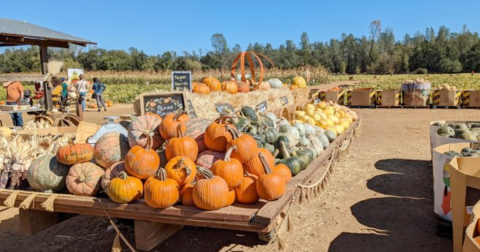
(179, 131)
(161, 174)
(81, 177)
(266, 167)
(123, 175)
(229, 152)
(283, 150)
(275, 153)
(204, 172)
(149, 143)
(181, 165)
(178, 114)
(233, 131)
(223, 119)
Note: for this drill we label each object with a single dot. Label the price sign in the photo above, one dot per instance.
(181, 80)
(224, 108)
(284, 100)
(262, 106)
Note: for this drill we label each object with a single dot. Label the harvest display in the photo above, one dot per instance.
(465, 131)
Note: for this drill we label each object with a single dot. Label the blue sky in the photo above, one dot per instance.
(159, 26)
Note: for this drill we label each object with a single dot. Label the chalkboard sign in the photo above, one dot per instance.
(224, 108)
(316, 100)
(284, 100)
(262, 106)
(181, 80)
(162, 103)
(191, 110)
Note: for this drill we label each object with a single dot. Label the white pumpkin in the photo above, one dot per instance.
(72, 95)
(275, 83)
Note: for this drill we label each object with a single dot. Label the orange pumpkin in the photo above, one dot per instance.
(181, 169)
(262, 86)
(255, 166)
(201, 89)
(154, 114)
(270, 186)
(2, 102)
(84, 179)
(284, 170)
(230, 87)
(194, 84)
(169, 126)
(186, 194)
(246, 146)
(231, 197)
(213, 83)
(243, 87)
(181, 146)
(160, 191)
(211, 192)
(110, 148)
(246, 192)
(125, 189)
(230, 169)
(75, 153)
(292, 87)
(217, 136)
(111, 173)
(142, 162)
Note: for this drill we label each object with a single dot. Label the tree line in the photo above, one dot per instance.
(379, 52)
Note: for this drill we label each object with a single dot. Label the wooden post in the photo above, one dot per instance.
(78, 108)
(32, 222)
(149, 234)
(47, 96)
(44, 59)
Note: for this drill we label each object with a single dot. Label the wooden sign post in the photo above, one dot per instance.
(162, 103)
(181, 80)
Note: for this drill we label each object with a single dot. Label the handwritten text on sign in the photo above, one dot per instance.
(262, 106)
(224, 108)
(181, 80)
(162, 103)
(284, 100)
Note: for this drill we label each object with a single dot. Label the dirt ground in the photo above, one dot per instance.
(379, 199)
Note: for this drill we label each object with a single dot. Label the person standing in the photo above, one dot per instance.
(98, 88)
(82, 86)
(64, 89)
(15, 92)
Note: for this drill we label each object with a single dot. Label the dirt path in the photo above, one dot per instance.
(379, 199)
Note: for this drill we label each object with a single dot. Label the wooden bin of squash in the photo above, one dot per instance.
(152, 226)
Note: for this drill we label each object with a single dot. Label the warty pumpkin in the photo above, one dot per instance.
(125, 189)
(75, 153)
(46, 174)
(186, 194)
(111, 173)
(255, 166)
(270, 186)
(181, 169)
(142, 162)
(160, 191)
(246, 146)
(110, 148)
(211, 192)
(143, 127)
(230, 169)
(246, 192)
(169, 126)
(217, 135)
(84, 179)
(181, 146)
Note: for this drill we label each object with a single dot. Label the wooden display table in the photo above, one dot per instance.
(152, 226)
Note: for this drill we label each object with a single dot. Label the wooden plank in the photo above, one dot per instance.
(272, 209)
(148, 234)
(32, 222)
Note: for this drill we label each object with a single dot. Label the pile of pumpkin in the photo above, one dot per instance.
(212, 84)
(465, 152)
(465, 131)
(330, 116)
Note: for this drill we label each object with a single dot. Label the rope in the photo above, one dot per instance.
(47, 204)
(324, 175)
(287, 216)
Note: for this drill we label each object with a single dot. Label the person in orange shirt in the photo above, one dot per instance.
(14, 93)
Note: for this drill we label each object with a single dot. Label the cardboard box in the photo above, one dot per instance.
(389, 97)
(446, 97)
(363, 97)
(335, 96)
(443, 140)
(469, 245)
(465, 192)
(471, 98)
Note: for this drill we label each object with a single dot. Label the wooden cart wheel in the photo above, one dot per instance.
(38, 119)
(68, 120)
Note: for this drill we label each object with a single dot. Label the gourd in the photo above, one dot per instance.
(46, 174)
(110, 148)
(208, 157)
(143, 127)
(186, 194)
(323, 139)
(254, 165)
(250, 113)
(142, 162)
(270, 186)
(181, 146)
(230, 169)
(246, 146)
(284, 171)
(210, 192)
(300, 128)
(246, 192)
(169, 127)
(181, 169)
(217, 136)
(331, 135)
(75, 153)
(84, 179)
(125, 189)
(468, 136)
(293, 163)
(111, 173)
(195, 128)
(161, 191)
(275, 83)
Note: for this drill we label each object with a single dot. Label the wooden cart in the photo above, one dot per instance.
(152, 226)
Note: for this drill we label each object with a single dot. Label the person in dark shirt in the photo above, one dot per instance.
(98, 88)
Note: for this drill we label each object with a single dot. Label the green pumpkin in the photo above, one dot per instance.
(468, 136)
(323, 139)
(461, 126)
(459, 132)
(271, 135)
(267, 121)
(251, 129)
(285, 128)
(467, 150)
(259, 139)
(269, 147)
(331, 135)
(446, 131)
(439, 124)
(308, 152)
(250, 113)
(278, 145)
(242, 123)
(304, 159)
(293, 163)
(46, 174)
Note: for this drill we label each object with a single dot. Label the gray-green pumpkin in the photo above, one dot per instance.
(446, 131)
(323, 139)
(46, 174)
(469, 136)
(331, 135)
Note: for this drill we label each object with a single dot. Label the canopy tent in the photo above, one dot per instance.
(18, 33)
